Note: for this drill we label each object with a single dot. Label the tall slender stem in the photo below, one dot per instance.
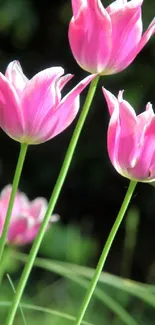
(105, 252)
(52, 202)
(19, 167)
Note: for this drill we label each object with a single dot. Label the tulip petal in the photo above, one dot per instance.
(30, 233)
(38, 209)
(117, 6)
(90, 36)
(145, 161)
(18, 227)
(121, 138)
(5, 193)
(113, 128)
(26, 216)
(36, 103)
(111, 100)
(145, 38)
(39, 97)
(113, 132)
(143, 120)
(11, 114)
(62, 81)
(145, 117)
(152, 168)
(127, 140)
(106, 41)
(59, 85)
(58, 120)
(21, 198)
(15, 75)
(126, 31)
(131, 139)
(76, 5)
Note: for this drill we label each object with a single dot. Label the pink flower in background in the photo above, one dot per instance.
(106, 41)
(26, 216)
(131, 139)
(32, 111)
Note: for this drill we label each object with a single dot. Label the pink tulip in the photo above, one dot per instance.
(106, 41)
(32, 111)
(131, 139)
(26, 216)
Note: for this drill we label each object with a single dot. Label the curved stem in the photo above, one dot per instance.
(52, 202)
(19, 167)
(105, 252)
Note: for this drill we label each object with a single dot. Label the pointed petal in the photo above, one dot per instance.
(118, 5)
(61, 82)
(113, 127)
(144, 120)
(146, 36)
(135, 51)
(112, 135)
(55, 218)
(39, 97)
(15, 75)
(64, 80)
(111, 100)
(58, 120)
(146, 117)
(126, 31)
(145, 162)
(38, 209)
(11, 114)
(127, 139)
(76, 6)
(5, 193)
(90, 36)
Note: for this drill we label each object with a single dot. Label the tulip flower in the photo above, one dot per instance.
(26, 216)
(32, 111)
(106, 41)
(131, 139)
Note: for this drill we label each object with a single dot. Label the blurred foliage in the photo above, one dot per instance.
(14, 14)
(35, 33)
(64, 290)
(69, 243)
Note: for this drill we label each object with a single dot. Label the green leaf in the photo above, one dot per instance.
(44, 310)
(58, 268)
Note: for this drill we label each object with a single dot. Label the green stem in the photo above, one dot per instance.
(105, 252)
(19, 167)
(52, 202)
